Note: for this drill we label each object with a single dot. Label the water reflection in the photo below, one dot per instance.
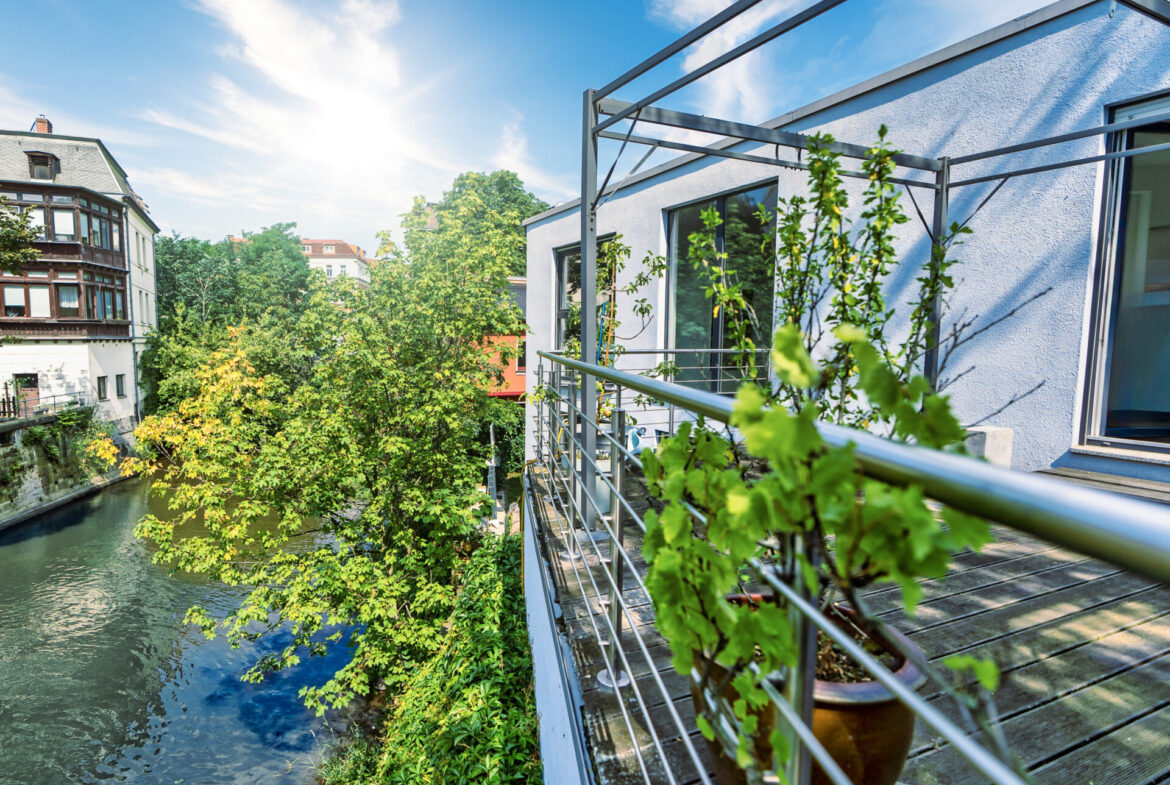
(101, 681)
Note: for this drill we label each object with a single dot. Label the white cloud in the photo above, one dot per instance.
(740, 90)
(513, 154)
(313, 120)
(18, 113)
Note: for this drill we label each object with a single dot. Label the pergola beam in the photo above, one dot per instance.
(748, 132)
(670, 50)
(791, 23)
(759, 159)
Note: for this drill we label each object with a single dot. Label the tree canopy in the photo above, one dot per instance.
(325, 454)
(477, 205)
(16, 237)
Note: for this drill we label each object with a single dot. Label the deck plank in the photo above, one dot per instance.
(1084, 650)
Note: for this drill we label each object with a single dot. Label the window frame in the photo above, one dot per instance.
(1109, 253)
(103, 388)
(719, 199)
(120, 385)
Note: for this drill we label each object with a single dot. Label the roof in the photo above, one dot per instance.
(340, 248)
(85, 163)
(1156, 9)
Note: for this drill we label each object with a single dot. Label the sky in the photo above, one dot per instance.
(233, 115)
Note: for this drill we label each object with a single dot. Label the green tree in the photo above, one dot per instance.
(204, 288)
(477, 205)
(16, 237)
(329, 461)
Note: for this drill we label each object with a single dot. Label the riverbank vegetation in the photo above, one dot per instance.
(281, 398)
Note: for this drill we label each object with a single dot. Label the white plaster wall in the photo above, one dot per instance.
(143, 294)
(142, 272)
(110, 358)
(1038, 232)
(354, 268)
(62, 368)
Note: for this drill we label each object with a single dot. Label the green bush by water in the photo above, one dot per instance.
(469, 715)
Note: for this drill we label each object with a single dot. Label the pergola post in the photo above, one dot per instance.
(588, 398)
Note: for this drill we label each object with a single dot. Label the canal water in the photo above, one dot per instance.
(100, 680)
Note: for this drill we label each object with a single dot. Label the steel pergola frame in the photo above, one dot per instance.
(597, 104)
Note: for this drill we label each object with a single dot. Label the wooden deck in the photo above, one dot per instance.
(1084, 649)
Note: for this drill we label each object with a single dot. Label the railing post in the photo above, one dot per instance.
(799, 681)
(616, 545)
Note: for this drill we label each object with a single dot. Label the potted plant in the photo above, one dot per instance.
(771, 490)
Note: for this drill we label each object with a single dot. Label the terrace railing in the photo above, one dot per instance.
(597, 523)
(19, 407)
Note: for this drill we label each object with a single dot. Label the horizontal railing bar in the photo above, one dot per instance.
(654, 672)
(600, 474)
(986, 763)
(791, 23)
(756, 133)
(1154, 148)
(657, 743)
(1061, 138)
(574, 716)
(1127, 532)
(758, 159)
(676, 46)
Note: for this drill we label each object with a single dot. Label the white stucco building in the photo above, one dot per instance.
(80, 313)
(337, 259)
(1096, 235)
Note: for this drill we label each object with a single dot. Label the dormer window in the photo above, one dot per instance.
(307, 248)
(43, 166)
(329, 249)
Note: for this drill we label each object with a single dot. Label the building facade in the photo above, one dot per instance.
(79, 315)
(337, 259)
(1089, 359)
(515, 372)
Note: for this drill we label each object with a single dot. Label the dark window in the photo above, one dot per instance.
(43, 166)
(120, 385)
(747, 243)
(14, 304)
(568, 262)
(520, 361)
(68, 304)
(102, 391)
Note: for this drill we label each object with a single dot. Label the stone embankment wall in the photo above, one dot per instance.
(41, 467)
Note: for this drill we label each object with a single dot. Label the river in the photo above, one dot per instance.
(100, 680)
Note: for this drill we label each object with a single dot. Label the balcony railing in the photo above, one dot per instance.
(588, 512)
(17, 407)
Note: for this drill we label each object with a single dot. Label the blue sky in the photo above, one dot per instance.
(236, 114)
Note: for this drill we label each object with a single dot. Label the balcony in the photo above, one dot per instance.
(71, 251)
(1069, 600)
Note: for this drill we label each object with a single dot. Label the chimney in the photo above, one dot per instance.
(41, 125)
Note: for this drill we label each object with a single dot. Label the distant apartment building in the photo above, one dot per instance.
(514, 370)
(79, 315)
(337, 259)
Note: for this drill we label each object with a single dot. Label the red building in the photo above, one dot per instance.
(514, 370)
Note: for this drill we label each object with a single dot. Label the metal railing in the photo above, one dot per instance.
(19, 407)
(595, 523)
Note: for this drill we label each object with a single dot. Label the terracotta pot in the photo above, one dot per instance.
(864, 728)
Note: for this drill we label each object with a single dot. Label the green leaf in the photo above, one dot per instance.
(790, 360)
